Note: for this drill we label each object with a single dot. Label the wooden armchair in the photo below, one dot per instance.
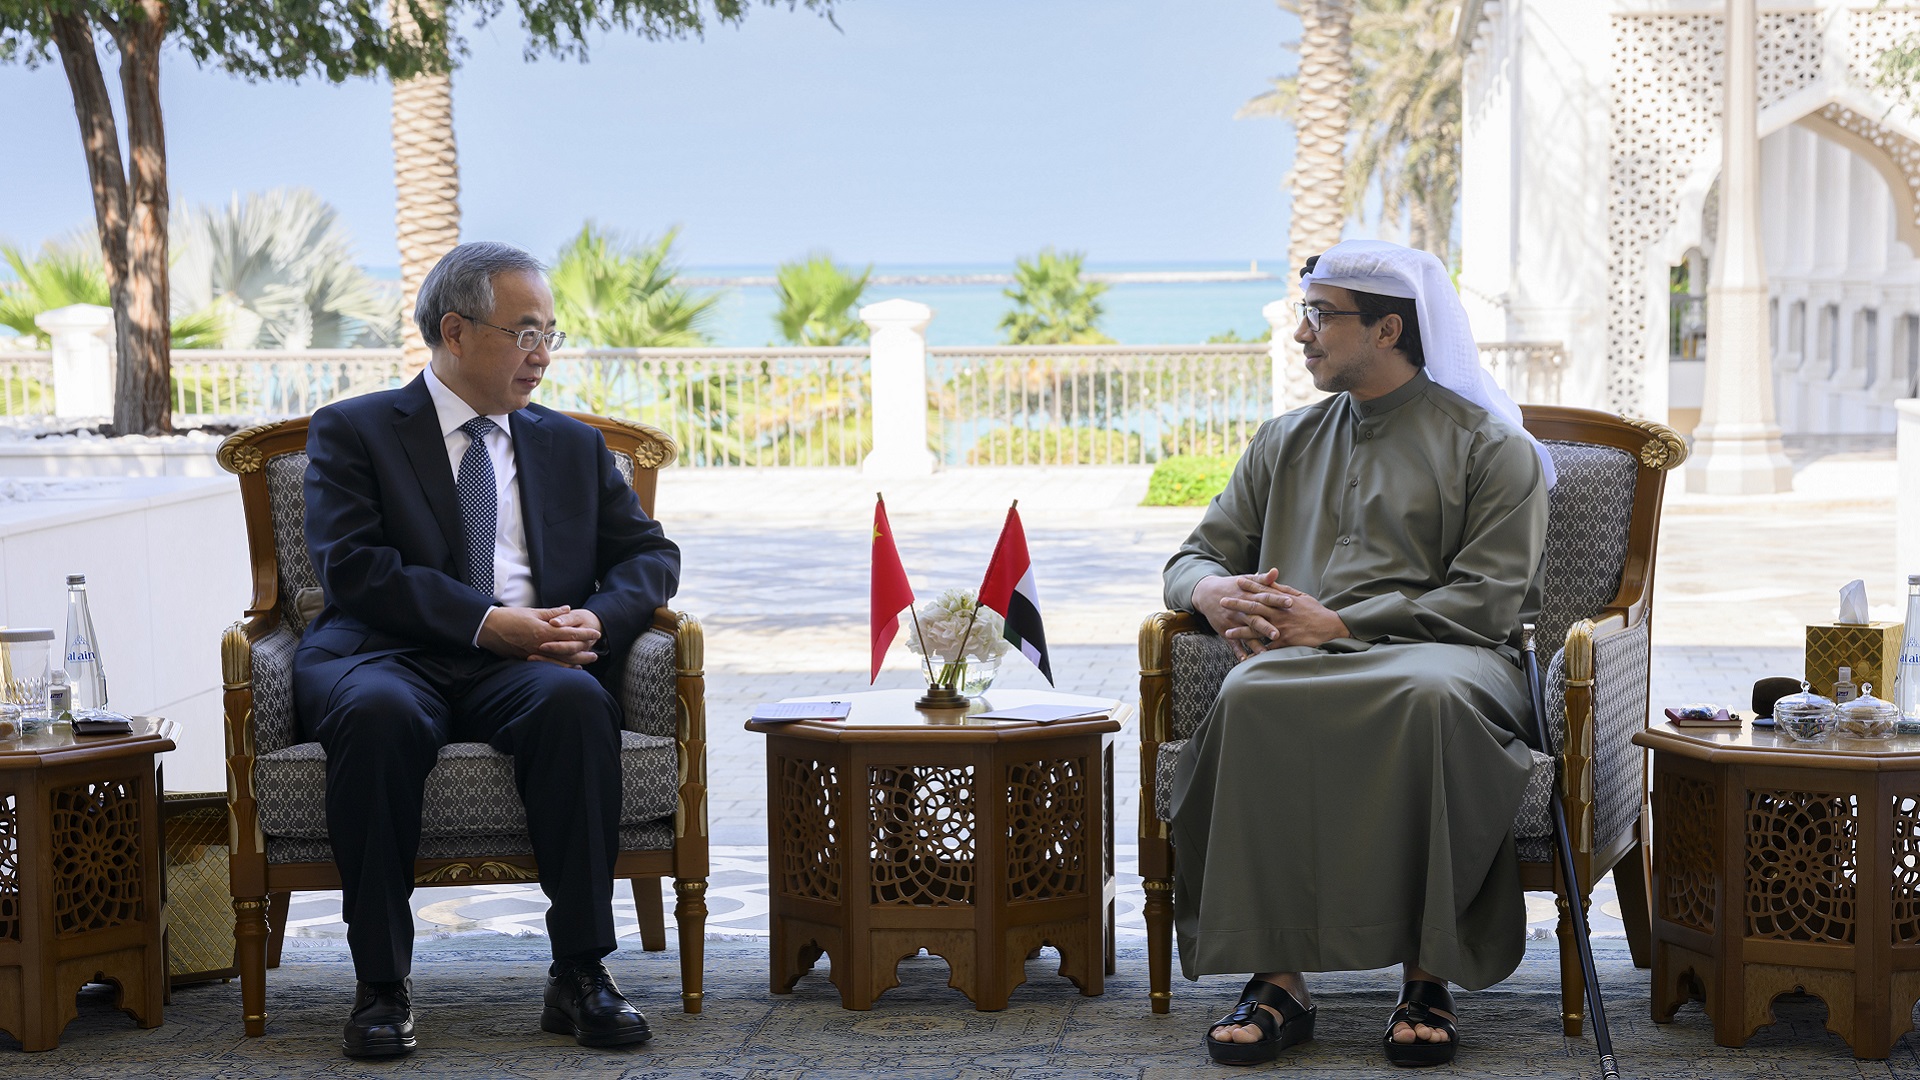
(1602, 526)
(474, 829)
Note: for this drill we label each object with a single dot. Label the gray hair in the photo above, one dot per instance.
(462, 283)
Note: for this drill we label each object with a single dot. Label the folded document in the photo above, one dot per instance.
(778, 712)
(1043, 713)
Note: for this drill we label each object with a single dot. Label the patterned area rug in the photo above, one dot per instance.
(477, 998)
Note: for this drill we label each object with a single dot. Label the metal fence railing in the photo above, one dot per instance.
(772, 406)
(26, 383)
(986, 405)
(220, 384)
(1095, 404)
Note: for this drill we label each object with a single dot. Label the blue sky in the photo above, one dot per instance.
(919, 132)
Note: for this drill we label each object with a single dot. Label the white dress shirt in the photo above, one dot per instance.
(512, 571)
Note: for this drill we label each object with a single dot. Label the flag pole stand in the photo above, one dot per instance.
(941, 697)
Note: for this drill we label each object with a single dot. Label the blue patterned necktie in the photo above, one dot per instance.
(479, 504)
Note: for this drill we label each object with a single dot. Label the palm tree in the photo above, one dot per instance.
(818, 301)
(73, 272)
(1315, 99)
(1404, 106)
(623, 296)
(426, 168)
(1052, 304)
(279, 268)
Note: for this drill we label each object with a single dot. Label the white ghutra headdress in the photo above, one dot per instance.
(1452, 357)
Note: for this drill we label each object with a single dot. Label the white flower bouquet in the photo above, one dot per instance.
(943, 621)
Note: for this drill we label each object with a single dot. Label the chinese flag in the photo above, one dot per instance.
(890, 590)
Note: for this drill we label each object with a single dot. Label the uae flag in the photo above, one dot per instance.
(890, 591)
(1009, 590)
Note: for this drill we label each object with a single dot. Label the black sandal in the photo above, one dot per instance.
(1418, 999)
(1294, 1026)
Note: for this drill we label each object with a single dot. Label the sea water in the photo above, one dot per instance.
(968, 312)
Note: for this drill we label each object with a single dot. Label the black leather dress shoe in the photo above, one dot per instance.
(382, 1021)
(583, 1002)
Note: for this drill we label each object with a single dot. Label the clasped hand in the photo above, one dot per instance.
(1254, 613)
(559, 635)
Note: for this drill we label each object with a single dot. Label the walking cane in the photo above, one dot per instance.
(1563, 841)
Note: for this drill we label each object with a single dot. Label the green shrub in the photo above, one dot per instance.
(1056, 446)
(1188, 480)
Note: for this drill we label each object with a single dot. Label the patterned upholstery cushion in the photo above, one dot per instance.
(1620, 710)
(286, 497)
(655, 835)
(648, 695)
(1200, 664)
(1534, 848)
(1588, 513)
(1163, 767)
(470, 791)
(1536, 805)
(273, 718)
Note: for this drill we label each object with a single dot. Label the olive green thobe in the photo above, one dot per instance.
(1350, 806)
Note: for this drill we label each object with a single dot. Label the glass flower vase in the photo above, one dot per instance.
(970, 676)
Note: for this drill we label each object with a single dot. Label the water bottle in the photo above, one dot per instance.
(84, 669)
(1906, 691)
(60, 697)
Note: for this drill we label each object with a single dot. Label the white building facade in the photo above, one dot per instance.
(1592, 150)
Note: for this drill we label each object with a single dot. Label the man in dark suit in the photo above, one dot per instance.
(486, 569)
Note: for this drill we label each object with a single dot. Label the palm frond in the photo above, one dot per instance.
(1404, 114)
(818, 299)
(278, 267)
(1052, 304)
(613, 294)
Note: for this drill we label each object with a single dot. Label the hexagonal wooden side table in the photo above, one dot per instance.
(1782, 866)
(80, 876)
(900, 829)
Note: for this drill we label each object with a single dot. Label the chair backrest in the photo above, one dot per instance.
(1603, 519)
(271, 462)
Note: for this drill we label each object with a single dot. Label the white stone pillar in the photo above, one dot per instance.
(82, 338)
(899, 358)
(1292, 383)
(1737, 445)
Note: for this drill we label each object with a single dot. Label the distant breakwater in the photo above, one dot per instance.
(1125, 277)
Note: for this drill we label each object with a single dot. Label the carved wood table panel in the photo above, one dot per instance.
(80, 876)
(1782, 866)
(899, 829)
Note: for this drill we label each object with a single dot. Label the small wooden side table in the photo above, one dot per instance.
(1782, 866)
(80, 876)
(899, 829)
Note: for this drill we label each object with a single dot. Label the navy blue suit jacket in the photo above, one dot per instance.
(383, 528)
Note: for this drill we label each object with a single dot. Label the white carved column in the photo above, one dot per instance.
(82, 337)
(1292, 383)
(899, 358)
(1737, 445)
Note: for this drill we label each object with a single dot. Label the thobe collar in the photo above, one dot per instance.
(1386, 403)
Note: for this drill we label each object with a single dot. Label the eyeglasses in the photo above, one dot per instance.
(1313, 315)
(528, 339)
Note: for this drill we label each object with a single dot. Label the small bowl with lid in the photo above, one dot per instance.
(1805, 716)
(1866, 717)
